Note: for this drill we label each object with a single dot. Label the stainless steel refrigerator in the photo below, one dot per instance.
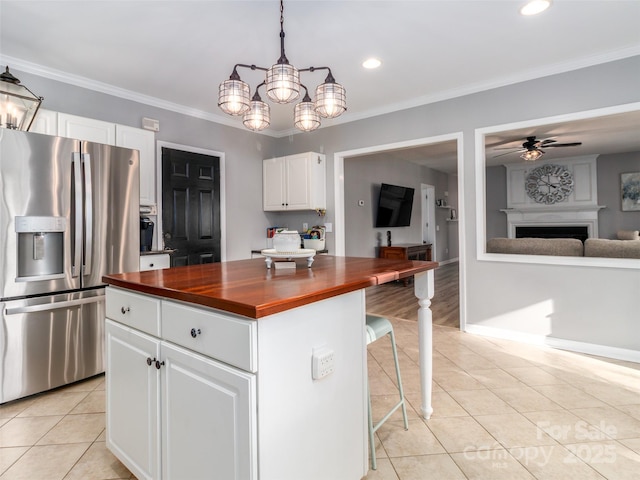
(69, 214)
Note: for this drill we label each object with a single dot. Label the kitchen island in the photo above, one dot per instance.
(236, 371)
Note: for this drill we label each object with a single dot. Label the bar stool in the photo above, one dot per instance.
(378, 327)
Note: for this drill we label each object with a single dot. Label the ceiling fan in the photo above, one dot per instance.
(532, 149)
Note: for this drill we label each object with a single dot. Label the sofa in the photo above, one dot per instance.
(567, 247)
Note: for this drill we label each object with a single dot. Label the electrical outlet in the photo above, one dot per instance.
(305, 226)
(322, 362)
(328, 227)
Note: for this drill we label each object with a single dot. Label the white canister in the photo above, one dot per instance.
(286, 241)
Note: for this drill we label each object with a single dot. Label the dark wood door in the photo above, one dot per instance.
(191, 206)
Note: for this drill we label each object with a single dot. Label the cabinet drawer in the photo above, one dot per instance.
(230, 339)
(154, 262)
(137, 311)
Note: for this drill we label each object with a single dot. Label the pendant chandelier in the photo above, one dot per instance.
(282, 85)
(18, 104)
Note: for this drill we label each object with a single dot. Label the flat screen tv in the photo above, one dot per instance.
(394, 206)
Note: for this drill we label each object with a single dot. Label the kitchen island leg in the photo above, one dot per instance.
(423, 287)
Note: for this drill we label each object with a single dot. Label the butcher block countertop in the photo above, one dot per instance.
(248, 288)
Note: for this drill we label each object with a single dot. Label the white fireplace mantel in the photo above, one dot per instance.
(580, 208)
(556, 215)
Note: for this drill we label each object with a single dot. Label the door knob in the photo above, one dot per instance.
(195, 332)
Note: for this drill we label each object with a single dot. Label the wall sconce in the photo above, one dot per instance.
(18, 104)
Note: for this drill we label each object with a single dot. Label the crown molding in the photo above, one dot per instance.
(558, 68)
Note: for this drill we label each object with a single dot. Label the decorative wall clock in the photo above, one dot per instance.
(549, 184)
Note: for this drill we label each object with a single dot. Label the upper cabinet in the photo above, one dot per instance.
(91, 130)
(145, 142)
(295, 182)
(46, 122)
(86, 129)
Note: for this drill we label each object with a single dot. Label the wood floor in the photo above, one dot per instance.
(395, 300)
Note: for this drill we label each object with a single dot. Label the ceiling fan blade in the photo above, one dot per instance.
(506, 148)
(509, 153)
(574, 144)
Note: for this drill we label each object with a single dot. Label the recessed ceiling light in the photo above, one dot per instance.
(535, 6)
(371, 63)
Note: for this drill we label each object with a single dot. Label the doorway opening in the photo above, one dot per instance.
(412, 146)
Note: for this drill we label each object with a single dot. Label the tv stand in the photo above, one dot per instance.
(407, 251)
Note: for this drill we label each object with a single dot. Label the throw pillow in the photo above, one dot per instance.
(628, 235)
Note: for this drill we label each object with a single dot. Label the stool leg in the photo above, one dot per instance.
(400, 389)
(372, 445)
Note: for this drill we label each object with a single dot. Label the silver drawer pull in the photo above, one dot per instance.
(124, 310)
(195, 332)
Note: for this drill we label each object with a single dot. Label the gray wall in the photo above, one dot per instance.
(579, 303)
(610, 219)
(496, 198)
(362, 179)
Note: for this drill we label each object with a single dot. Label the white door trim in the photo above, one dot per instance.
(338, 180)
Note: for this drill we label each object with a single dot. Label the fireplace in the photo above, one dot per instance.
(556, 231)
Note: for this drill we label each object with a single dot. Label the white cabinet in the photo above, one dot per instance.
(194, 392)
(173, 413)
(155, 262)
(46, 122)
(295, 182)
(208, 424)
(132, 402)
(145, 142)
(87, 129)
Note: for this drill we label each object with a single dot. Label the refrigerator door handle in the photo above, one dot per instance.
(77, 221)
(53, 306)
(88, 215)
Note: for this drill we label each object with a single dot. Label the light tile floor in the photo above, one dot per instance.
(502, 410)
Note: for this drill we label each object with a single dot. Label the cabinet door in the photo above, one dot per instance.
(273, 184)
(132, 399)
(87, 129)
(145, 142)
(208, 418)
(46, 122)
(298, 175)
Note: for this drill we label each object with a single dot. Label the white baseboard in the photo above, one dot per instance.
(560, 343)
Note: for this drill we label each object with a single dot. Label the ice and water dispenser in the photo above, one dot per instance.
(40, 247)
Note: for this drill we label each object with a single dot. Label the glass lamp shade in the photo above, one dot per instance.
(531, 155)
(234, 97)
(283, 83)
(18, 105)
(257, 118)
(305, 117)
(331, 99)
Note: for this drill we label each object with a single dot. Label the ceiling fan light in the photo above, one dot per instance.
(532, 155)
(305, 117)
(283, 83)
(331, 99)
(258, 117)
(234, 97)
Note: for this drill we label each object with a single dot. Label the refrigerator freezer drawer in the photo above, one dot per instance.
(50, 341)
